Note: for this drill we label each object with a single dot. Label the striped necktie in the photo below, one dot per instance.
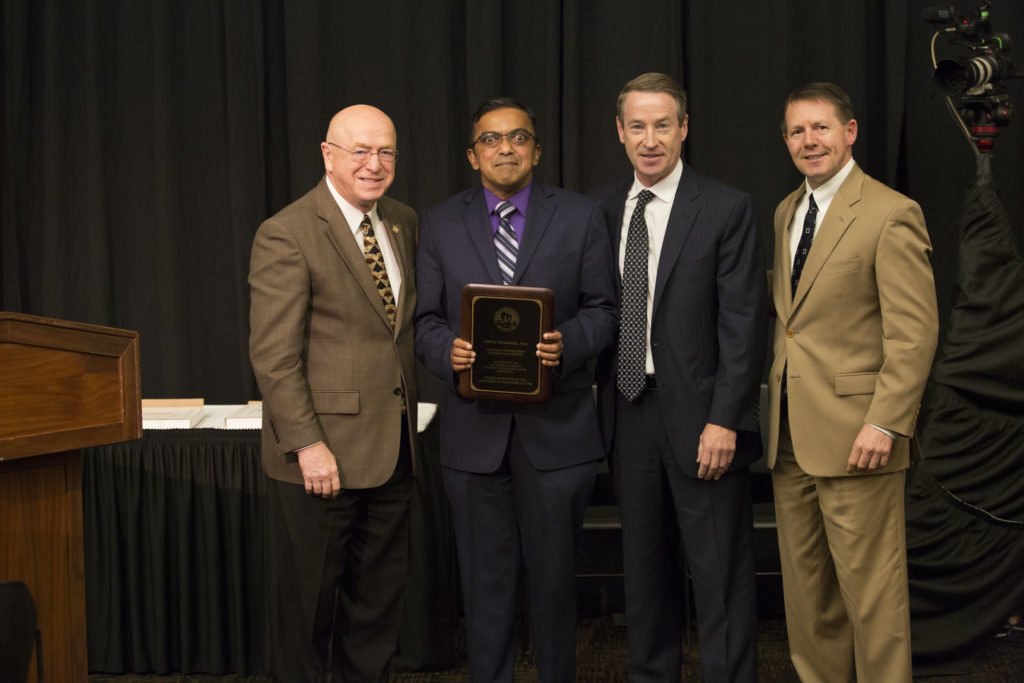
(506, 245)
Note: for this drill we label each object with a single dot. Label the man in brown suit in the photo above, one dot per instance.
(856, 331)
(331, 344)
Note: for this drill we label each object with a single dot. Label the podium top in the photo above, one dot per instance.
(66, 385)
(13, 325)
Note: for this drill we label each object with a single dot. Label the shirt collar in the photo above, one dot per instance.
(664, 189)
(353, 216)
(519, 199)
(827, 190)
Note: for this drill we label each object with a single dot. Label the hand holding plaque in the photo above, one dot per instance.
(504, 324)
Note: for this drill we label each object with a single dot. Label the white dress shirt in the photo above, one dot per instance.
(823, 198)
(354, 217)
(656, 215)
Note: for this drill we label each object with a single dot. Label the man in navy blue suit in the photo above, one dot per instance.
(678, 392)
(518, 475)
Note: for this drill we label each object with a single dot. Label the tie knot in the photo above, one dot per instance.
(505, 209)
(644, 197)
(811, 205)
(365, 225)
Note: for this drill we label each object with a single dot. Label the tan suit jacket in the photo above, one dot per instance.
(327, 362)
(858, 337)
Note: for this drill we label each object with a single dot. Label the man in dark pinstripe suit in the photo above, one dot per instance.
(679, 392)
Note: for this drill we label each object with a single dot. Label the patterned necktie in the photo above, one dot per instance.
(632, 363)
(804, 245)
(375, 262)
(506, 245)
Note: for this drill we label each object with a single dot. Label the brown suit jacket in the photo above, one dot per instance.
(327, 362)
(857, 339)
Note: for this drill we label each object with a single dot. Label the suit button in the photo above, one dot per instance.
(790, 333)
(398, 391)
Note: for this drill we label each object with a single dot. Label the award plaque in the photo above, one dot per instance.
(504, 324)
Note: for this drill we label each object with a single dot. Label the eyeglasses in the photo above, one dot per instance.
(385, 156)
(518, 137)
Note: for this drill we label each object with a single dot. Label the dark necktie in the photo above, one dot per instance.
(632, 362)
(804, 246)
(375, 262)
(506, 245)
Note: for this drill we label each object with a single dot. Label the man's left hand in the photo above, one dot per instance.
(870, 450)
(550, 350)
(715, 451)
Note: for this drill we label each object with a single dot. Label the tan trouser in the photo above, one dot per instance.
(842, 542)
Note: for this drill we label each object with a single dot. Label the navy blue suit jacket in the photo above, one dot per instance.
(564, 248)
(709, 320)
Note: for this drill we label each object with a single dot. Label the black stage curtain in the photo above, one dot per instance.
(143, 142)
(964, 567)
(965, 504)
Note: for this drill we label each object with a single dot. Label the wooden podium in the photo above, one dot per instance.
(63, 386)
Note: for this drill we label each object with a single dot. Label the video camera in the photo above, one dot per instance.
(977, 81)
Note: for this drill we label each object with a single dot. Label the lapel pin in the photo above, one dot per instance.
(394, 228)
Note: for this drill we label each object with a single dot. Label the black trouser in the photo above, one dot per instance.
(336, 577)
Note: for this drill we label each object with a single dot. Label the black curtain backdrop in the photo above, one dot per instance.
(965, 501)
(144, 141)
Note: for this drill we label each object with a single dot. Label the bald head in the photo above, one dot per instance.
(353, 131)
(359, 118)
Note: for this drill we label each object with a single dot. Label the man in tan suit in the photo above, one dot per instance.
(856, 331)
(331, 344)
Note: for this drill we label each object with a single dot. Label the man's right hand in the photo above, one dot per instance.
(462, 355)
(319, 471)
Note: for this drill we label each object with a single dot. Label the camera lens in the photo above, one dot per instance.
(958, 76)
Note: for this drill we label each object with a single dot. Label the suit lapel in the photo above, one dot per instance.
(616, 217)
(835, 223)
(478, 228)
(340, 235)
(397, 237)
(538, 218)
(782, 292)
(680, 223)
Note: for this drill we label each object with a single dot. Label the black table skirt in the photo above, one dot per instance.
(175, 543)
(175, 548)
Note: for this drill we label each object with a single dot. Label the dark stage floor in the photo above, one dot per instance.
(602, 659)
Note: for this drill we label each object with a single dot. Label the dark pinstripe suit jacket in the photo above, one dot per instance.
(709, 320)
